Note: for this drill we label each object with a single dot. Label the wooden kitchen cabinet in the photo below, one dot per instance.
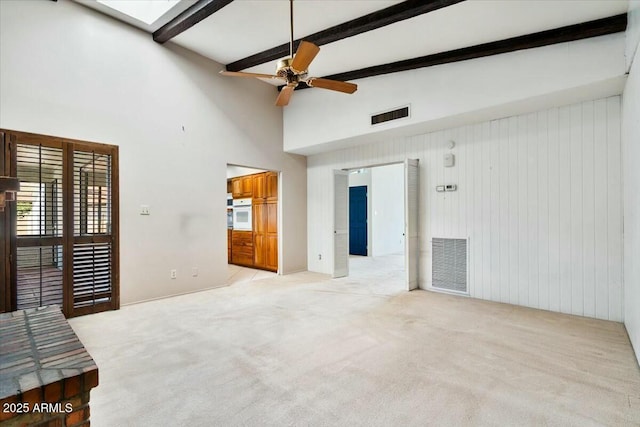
(271, 253)
(236, 188)
(242, 187)
(259, 186)
(271, 186)
(242, 248)
(257, 248)
(265, 235)
(259, 233)
(271, 246)
(228, 245)
(259, 252)
(265, 186)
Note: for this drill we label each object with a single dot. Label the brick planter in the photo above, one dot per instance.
(45, 372)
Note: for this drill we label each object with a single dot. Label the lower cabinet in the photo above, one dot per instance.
(271, 253)
(242, 248)
(259, 251)
(265, 235)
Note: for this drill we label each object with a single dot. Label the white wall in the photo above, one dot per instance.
(235, 171)
(633, 31)
(539, 195)
(551, 76)
(631, 159)
(387, 200)
(69, 71)
(360, 179)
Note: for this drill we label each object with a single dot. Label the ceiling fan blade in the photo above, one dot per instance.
(304, 55)
(242, 74)
(333, 85)
(285, 95)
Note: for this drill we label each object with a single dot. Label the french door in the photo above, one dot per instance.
(411, 219)
(340, 223)
(61, 233)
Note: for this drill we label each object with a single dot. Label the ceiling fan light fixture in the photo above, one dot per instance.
(284, 63)
(294, 69)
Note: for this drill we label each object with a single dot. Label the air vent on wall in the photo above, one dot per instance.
(449, 264)
(390, 115)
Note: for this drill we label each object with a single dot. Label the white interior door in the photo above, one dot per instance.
(411, 252)
(341, 223)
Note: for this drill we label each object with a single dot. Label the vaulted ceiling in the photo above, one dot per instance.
(360, 38)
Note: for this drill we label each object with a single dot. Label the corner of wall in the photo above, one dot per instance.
(631, 180)
(633, 33)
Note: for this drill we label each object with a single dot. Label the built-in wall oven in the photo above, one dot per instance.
(242, 218)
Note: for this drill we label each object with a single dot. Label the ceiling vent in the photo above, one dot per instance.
(400, 113)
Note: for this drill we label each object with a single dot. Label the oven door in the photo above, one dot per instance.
(242, 218)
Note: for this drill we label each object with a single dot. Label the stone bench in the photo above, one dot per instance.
(45, 372)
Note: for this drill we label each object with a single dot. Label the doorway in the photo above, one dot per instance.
(252, 223)
(388, 195)
(60, 236)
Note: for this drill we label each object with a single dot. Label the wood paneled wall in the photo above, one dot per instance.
(539, 197)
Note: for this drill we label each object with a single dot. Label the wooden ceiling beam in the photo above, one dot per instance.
(599, 27)
(372, 21)
(187, 19)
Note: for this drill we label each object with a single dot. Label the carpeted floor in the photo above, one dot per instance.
(306, 350)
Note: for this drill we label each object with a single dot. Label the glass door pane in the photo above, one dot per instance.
(92, 230)
(39, 268)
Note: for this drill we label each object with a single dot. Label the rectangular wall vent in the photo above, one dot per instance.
(449, 264)
(390, 115)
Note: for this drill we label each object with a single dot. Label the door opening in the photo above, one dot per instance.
(61, 233)
(382, 211)
(252, 223)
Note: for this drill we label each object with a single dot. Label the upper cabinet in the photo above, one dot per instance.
(259, 186)
(242, 187)
(271, 186)
(265, 186)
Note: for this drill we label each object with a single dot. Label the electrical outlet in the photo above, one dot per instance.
(174, 274)
(320, 257)
(144, 210)
(194, 271)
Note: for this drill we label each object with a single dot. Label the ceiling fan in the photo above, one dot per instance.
(294, 69)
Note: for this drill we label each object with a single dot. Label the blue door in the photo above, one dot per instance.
(358, 220)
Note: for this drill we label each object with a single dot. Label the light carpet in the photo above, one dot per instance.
(306, 350)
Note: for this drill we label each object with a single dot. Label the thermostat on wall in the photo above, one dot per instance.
(447, 187)
(449, 160)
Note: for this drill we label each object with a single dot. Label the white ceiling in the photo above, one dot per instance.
(246, 27)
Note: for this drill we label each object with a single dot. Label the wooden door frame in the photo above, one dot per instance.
(8, 271)
(5, 241)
